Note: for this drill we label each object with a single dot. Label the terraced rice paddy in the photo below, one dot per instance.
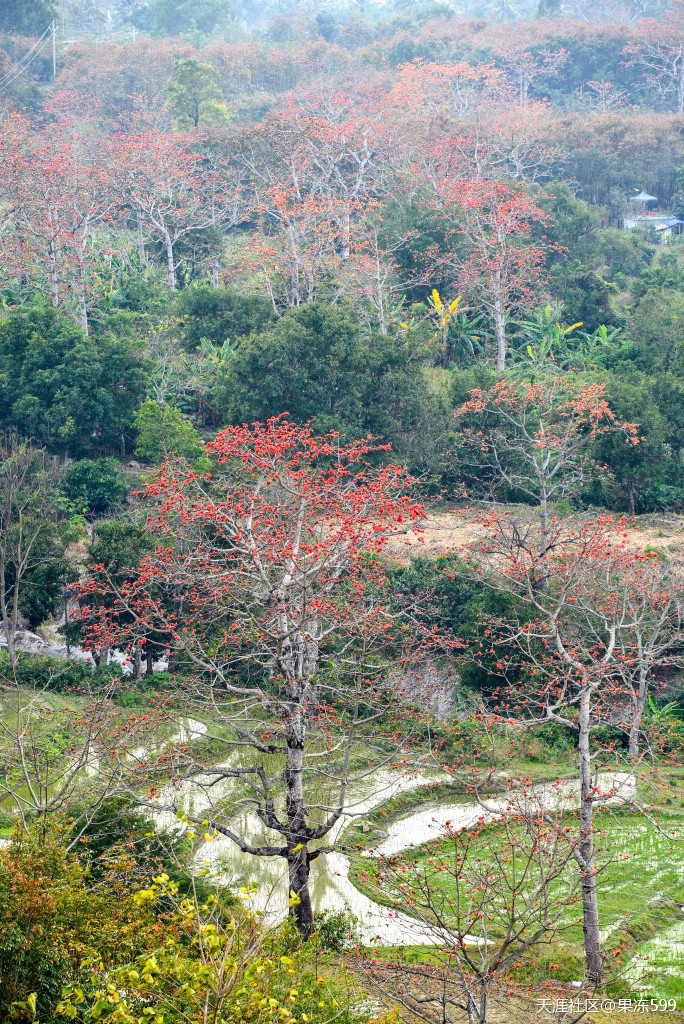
(641, 900)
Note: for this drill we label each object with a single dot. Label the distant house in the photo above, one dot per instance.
(645, 216)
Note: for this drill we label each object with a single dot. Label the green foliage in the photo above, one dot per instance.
(657, 330)
(118, 543)
(635, 471)
(588, 297)
(451, 599)
(315, 365)
(43, 585)
(218, 314)
(623, 254)
(210, 964)
(95, 486)
(172, 17)
(61, 675)
(575, 224)
(47, 911)
(548, 345)
(162, 430)
(26, 17)
(73, 394)
(194, 94)
(335, 930)
(118, 827)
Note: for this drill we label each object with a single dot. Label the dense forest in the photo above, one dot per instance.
(341, 507)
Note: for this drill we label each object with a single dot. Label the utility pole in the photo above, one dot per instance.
(54, 48)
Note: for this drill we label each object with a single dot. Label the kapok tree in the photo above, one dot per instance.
(496, 261)
(533, 438)
(56, 193)
(659, 51)
(487, 893)
(524, 67)
(168, 188)
(265, 582)
(606, 620)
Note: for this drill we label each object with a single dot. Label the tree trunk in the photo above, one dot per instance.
(543, 530)
(7, 622)
(297, 852)
(82, 306)
(170, 264)
(54, 277)
(346, 233)
(590, 918)
(484, 1004)
(142, 255)
(149, 658)
(298, 874)
(500, 334)
(137, 660)
(630, 496)
(638, 716)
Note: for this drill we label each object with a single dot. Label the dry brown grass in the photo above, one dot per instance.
(451, 532)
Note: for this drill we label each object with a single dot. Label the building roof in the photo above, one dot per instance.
(643, 197)
(669, 223)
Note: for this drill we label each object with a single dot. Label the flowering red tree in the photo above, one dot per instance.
(314, 166)
(166, 186)
(659, 51)
(534, 438)
(524, 67)
(56, 193)
(606, 620)
(496, 260)
(265, 585)
(487, 893)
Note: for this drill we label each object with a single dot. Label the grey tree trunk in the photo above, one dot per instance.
(638, 716)
(142, 255)
(500, 334)
(9, 620)
(297, 852)
(54, 277)
(170, 264)
(590, 918)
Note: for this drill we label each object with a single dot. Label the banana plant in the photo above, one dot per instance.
(443, 316)
(673, 711)
(550, 345)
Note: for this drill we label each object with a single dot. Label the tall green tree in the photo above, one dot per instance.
(316, 365)
(194, 94)
(634, 470)
(29, 508)
(73, 394)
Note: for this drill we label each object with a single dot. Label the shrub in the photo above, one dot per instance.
(95, 486)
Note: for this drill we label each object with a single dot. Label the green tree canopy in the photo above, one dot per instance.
(315, 365)
(195, 95)
(635, 471)
(95, 486)
(26, 17)
(171, 17)
(162, 430)
(220, 313)
(73, 394)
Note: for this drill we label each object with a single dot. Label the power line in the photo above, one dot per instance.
(28, 58)
(28, 52)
